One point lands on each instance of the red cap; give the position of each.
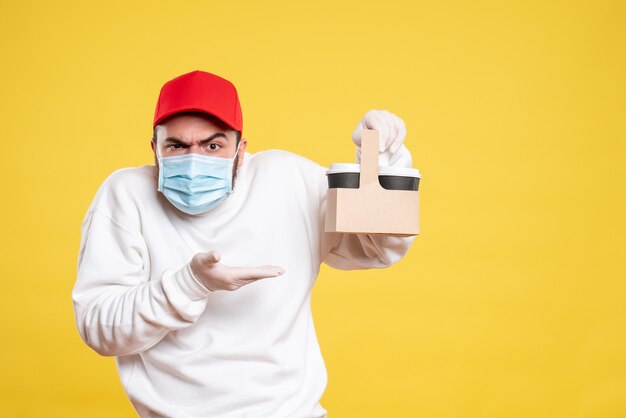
(199, 91)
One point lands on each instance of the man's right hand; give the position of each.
(207, 269)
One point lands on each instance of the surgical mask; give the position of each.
(196, 183)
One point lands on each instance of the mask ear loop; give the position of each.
(236, 151)
(159, 164)
(158, 148)
(234, 160)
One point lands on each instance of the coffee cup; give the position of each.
(347, 176)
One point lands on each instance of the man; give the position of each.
(167, 281)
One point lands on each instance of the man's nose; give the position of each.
(195, 149)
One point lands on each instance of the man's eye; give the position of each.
(174, 146)
(214, 147)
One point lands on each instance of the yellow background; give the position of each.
(511, 303)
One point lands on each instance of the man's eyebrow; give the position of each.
(215, 135)
(174, 140)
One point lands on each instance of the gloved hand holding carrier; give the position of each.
(370, 208)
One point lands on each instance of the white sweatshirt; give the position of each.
(185, 351)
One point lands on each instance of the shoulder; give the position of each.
(131, 177)
(127, 184)
(288, 173)
(125, 193)
(283, 162)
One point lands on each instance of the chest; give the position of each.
(267, 225)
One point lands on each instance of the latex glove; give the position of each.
(391, 130)
(215, 276)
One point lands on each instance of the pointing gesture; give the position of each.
(207, 268)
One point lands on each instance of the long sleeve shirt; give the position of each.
(185, 351)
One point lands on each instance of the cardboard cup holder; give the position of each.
(370, 199)
(347, 176)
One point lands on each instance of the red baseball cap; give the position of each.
(199, 91)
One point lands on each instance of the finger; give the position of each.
(256, 273)
(368, 119)
(402, 134)
(395, 136)
(390, 133)
(373, 120)
(356, 135)
(380, 123)
(385, 135)
(211, 257)
(395, 146)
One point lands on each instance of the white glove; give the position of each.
(391, 130)
(215, 276)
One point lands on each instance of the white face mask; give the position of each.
(196, 183)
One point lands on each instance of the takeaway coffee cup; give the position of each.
(347, 176)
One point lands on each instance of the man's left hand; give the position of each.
(391, 129)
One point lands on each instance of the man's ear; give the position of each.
(242, 149)
(153, 146)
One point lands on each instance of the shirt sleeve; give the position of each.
(118, 310)
(363, 251)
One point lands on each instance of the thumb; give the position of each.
(211, 257)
